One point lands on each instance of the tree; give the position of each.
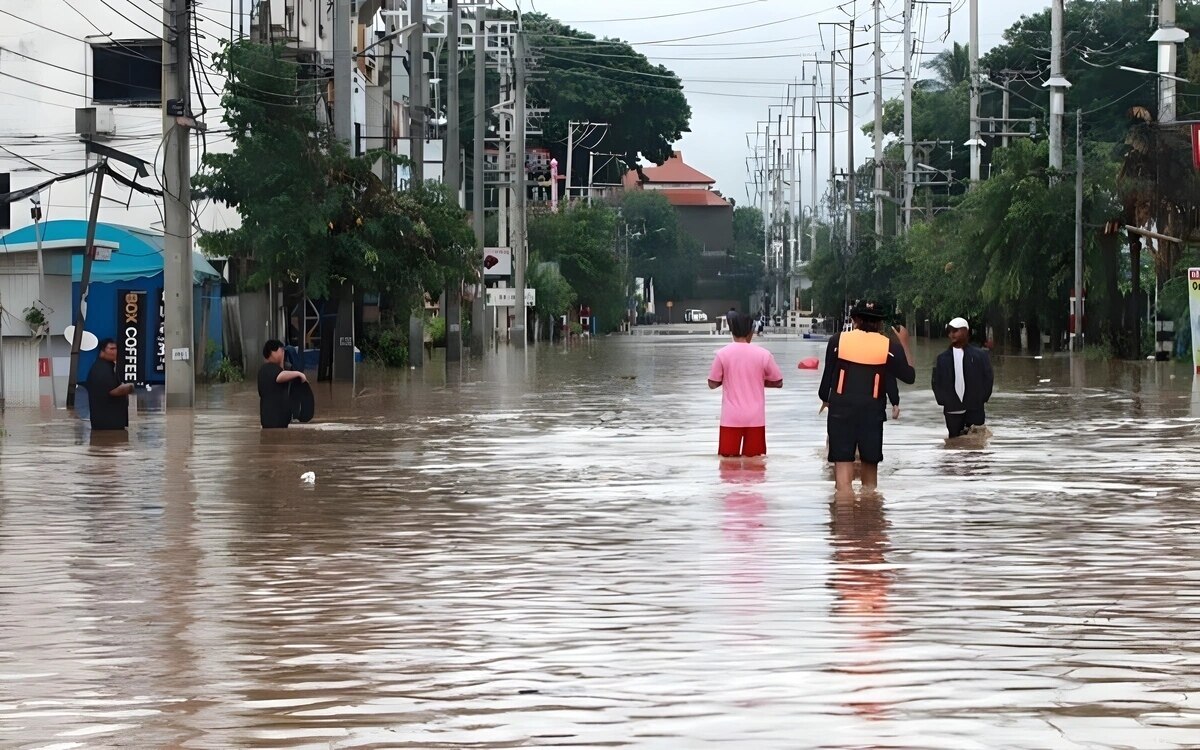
(658, 246)
(605, 80)
(951, 66)
(311, 213)
(580, 239)
(745, 266)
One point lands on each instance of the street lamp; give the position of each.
(387, 37)
(1171, 76)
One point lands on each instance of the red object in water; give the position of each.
(811, 363)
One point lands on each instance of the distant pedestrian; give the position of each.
(962, 380)
(743, 371)
(274, 398)
(108, 397)
(854, 385)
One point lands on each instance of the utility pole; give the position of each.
(479, 179)
(343, 74)
(909, 165)
(453, 173)
(1077, 334)
(1167, 36)
(812, 220)
(879, 125)
(85, 279)
(976, 143)
(521, 182)
(416, 91)
(416, 151)
(570, 157)
(177, 206)
(1057, 84)
(851, 193)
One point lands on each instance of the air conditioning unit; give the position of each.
(94, 122)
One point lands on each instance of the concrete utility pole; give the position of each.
(85, 280)
(976, 143)
(1077, 334)
(909, 165)
(343, 74)
(453, 173)
(416, 151)
(1167, 36)
(177, 206)
(479, 180)
(879, 124)
(570, 157)
(417, 91)
(812, 220)
(850, 187)
(1057, 84)
(521, 182)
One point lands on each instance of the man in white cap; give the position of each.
(962, 380)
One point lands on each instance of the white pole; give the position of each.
(908, 115)
(976, 156)
(879, 124)
(1057, 85)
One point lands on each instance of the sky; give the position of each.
(729, 96)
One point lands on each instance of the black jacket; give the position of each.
(896, 367)
(977, 375)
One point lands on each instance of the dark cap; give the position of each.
(867, 309)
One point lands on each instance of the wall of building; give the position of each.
(51, 73)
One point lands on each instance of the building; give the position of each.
(125, 302)
(706, 216)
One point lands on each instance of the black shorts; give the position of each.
(856, 431)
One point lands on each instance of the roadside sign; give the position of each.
(497, 261)
(508, 297)
(1194, 300)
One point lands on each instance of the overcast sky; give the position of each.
(729, 96)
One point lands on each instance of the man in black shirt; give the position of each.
(108, 397)
(274, 400)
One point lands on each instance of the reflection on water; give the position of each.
(541, 550)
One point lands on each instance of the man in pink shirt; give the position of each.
(743, 371)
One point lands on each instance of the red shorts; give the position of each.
(743, 441)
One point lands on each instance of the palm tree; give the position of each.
(952, 66)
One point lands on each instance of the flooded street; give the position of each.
(542, 550)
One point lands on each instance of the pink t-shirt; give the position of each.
(743, 370)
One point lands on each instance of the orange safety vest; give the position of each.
(862, 365)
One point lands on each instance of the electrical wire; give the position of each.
(667, 15)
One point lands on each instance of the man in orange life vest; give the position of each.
(858, 364)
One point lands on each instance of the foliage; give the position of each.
(580, 239)
(951, 66)
(385, 344)
(435, 330)
(745, 267)
(227, 371)
(586, 79)
(658, 247)
(555, 296)
(34, 317)
(311, 212)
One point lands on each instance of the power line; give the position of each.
(667, 15)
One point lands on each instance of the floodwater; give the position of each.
(541, 550)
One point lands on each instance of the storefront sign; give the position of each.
(508, 297)
(131, 327)
(160, 356)
(1194, 298)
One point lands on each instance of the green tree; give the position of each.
(580, 239)
(309, 211)
(605, 80)
(951, 66)
(745, 262)
(658, 246)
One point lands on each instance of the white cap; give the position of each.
(958, 323)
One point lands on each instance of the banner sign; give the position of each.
(1194, 299)
(497, 261)
(160, 356)
(508, 297)
(131, 328)
(1196, 146)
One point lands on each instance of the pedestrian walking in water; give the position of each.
(854, 385)
(108, 397)
(274, 397)
(962, 380)
(743, 371)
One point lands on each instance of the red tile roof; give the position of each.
(686, 197)
(674, 170)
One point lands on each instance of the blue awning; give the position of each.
(138, 253)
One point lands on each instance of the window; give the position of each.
(127, 73)
(5, 208)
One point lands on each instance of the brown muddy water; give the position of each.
(542, 550)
